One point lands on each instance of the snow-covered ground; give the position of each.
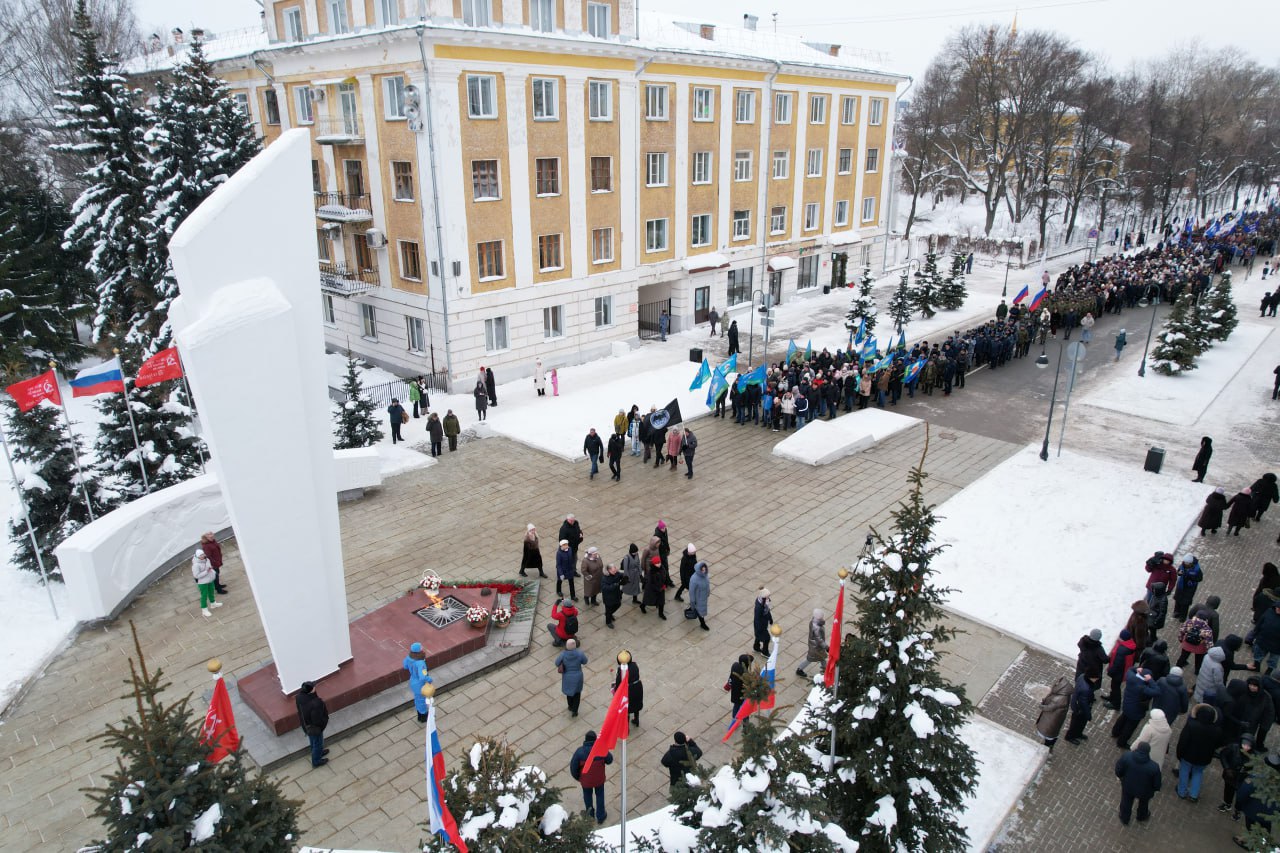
(823, 441)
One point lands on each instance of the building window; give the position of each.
(811, 216)
(553, 322)
(655, 235)
(739, 286)
(598, 20)
(489, 260)
(353, 177)
(700, 233)
(702, 167)
(813, 163)
(542, 15)
(475, 13)
(601, 174)
(393, 97)
(742, 165)
(655, 103)
(601, 245)
(656, 171)
(402, 180)
(842, 212)
(369, 322)
(781, 164)
(817, 109)
(389, 12)
(549, 255)
(777, 220)
(272, 102)
(242, 103)
(844, 163)
(546, 172)
(322, 245)
(495, 334)
(741, 224)
(484, 180)
(338, 17)
(545, 99)
(410, 261)
(604, 311)
(481, 100)
(327, 310)
(782, 108)
(315, 175)
(293, 24)
(868, 209)
(877, 112)
(704, 104)
(864, 256)
(807, 273)
(744, 111)
(873, 159)
(601, 92)
(415, 331)
(303, 101)
(848, 110)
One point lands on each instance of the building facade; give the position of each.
(503, 180)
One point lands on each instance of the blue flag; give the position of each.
(730, 366)
(869, 347)
(862, 333)
(718, 387)
(753, 377)
(808, 350)
(902, 340)
(914, 370)
(791, 351)
(704, 373)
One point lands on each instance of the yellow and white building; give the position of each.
(499, 180)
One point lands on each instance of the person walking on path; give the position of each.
(593, 447)
(565, 571)
(1234, 757)
(1139, 690)
(435, 432)
(688, 559)
(617, 444)
(1195, 636)
(591, 778)
(633, 573)
(416, 663)
(313, 716)
(1214, 507)
(1139, 780)
(664, 324)
(1120, 343)
(1240, 511)
(571, 531)
(209, 544)
(397, 416)
(611, 592)
(555, 383)
(1053, 711)
(763, 618)
(1082, 707)
(735, 684)
(680, 759)
(1123, 654)
(1266, 639)
(592, 570)
(1172, 701)
(655, 588)
(1092, 659)
(1190, 575)
(452, 429)
(635, 687)
(1265, 494)
(415, 396)
(1201, 463)
(491, 387)
(713, 317)
(1156, 734)
(206, 578)
(688, 448)
(1275, 389)
(700, 593)
(1211, 678)
(539, 378)
(531, 557)
(482, 399)
(1199, 741)
(733, 339)
(569, 664)
(675, 441)
(817, 649)
(565, 628)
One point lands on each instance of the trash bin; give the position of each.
(826, 288)
(695, 355)
(1155, 458)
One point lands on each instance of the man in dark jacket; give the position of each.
(313, 716)
(680, 758)
(572, 531)
(1139, 689)
(1199, 741)
(616, 445)
(1251, 710)
(594, 448)
(1184, 592)
(1092, 660)
(591, 778)
(1081, 707)
(396, 414)
(1155, 660)
(1173, 695)
(1266, 639)
(1139, 780)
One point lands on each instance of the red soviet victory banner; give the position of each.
(29, 392)
(833, 648)
(617, 723)
(161, 366)
(219, 729)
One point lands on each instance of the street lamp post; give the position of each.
(1008, 262)
(1043, 361)
(1142, 368)
(751, 340)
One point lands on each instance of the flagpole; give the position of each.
(71, 437)
(835, 683)
(128, 408)
(26, 516)
(624, 658)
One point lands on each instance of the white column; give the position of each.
(311, 19)
(357, 15)
(576, 182)
(678, 169)
(282, 102)
(376, 178)
(518, 192)
(724, 159)
(628, 174)
(832, 158)
(860, 161)
(452, 176)
(572, 16)
(801, 117)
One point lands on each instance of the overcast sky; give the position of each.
(911, 32)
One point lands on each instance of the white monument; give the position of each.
(247, 327)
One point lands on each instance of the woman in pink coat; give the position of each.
(675, 438)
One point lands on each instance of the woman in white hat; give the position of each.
(532, 558)
(202, 571)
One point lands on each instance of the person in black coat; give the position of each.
(396, 413)
(733, 338)
(735, 682)
(1155, 659)
(681, 757)
(1173, 696)
(313, 715)
(1081, 707)
(1265, 493)
(1214, 506)
(1139, 690)
(655, 588)
(635, 687)
(1240, 511)
(593, 447)
(1093, 658)
(760, 623)
(572, 531)
(611, 591)
(1139, 780)
(1201, 464)
(664, 545)
(688, 559)
(490, 387)
(617, 444)
(1198, 743)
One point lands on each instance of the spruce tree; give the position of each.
(357, 424)
(1219, 309)
(901, 303)
(863, 307)
(44, 460)
(1266, 790)
(165, 795)
(927, 290)
(502, 803)
(108, 121)
(902, 768)
(1177, 344)
(953, 291)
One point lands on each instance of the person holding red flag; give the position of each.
(588, 762)
(588, 769)
(219, 729)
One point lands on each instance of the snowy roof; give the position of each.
(703, 262)
(845, 238)
(782, 262)
(217, 47)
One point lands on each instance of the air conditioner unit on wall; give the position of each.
(376, 238)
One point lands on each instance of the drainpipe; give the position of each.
(766, 175)
(893, 173)
(435, 191)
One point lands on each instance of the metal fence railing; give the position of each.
(382, 394)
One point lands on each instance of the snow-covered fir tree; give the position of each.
(164, 795)
(926, 293)
(502, 803)
(1265, 784)
(954, 291)
(44, 460)
(1218, 309)
(108, 121)
(901, 303)
(902, 767)
(863, 306)
(357, 425)
(1177, 344)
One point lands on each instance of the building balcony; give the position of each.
(346, 281)
(343, 207)
(344, 130)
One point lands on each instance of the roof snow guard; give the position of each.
(702, 263)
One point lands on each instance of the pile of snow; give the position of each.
(824, 441)
(1006, 765)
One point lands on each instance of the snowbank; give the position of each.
(1006, 765)
(1045, 551)
(823, 442)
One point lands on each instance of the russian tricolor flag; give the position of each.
(441, 821)
(1022, 294)
(99, 379)
(1035, 303)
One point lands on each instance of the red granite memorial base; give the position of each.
(380, 641)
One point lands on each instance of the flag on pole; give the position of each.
(161, 366)
(914, 370)
(770, 673)
(749, 707)
(833, 648)
(29, 392)
(617, 723)
(1022, 294)
(869, 348)
(704, 373)
(791, 351)
(442, 822)
(753, 377)
(219, 729)
(808, 350)
(718, 386)
(105, 378)
(1039, 297)
(902, 339)
(730, 366)
(862, 333)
